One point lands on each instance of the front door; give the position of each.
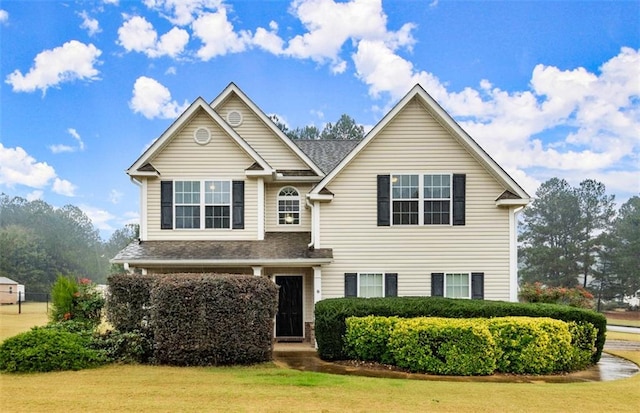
(289, 320)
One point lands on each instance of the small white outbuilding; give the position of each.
(8, 291)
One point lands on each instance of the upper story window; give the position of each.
(421, 199)
(192, 209)
(288, 206)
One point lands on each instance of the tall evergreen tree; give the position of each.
(596, 213)
(551, 235)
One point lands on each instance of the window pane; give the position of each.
(437, 186)
(370, 285)
(436, 212)
(457, 285)
(405, 213)
(404, 187)
(187, 217)
(217, 217)
(187, 192)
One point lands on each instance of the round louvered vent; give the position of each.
(202, 136)
(234, 118)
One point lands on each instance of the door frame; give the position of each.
(303, 306)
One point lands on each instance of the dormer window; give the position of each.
(288, 206)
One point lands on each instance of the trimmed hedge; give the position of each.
(129, 301)
(330, 316)
(195, 319)
(446, 346)
(479, 346)
(531, 345)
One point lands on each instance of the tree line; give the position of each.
(38, 242)
(573, 236)
(345, 128)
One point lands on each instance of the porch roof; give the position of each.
(277, 248)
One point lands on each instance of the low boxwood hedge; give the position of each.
(330, 316)
(476, 346)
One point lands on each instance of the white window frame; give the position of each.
(421, 198)
(279, 198)
(468, 274)
(381, 274)
(202, 203)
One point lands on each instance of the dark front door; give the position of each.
(289, 318)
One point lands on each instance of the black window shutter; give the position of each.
(384, 200)
(350, 284)
(166, 205)
(459, 184)
(391, 285)
(238, 204)
(477, 285)
(437, 284)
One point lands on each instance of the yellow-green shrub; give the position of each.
(443, 346)
(530, 345)
(367, 338)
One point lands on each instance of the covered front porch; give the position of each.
(283, 257)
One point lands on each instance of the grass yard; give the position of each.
(12, 323)
(268, 388)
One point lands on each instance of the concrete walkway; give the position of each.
(623, 329)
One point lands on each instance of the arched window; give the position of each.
(288, 206)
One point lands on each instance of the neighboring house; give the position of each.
(8, 291)
(416, 208)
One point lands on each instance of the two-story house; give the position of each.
(416, 208)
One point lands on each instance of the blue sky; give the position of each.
(547, 88)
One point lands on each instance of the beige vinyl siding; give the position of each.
(271, 209)
(414, 143)
(260, 137)
(184, 159)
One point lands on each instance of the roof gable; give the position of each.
(141, 166)
(231, 90)
(447, 122)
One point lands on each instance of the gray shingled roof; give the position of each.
(326, 153)
(276, 247)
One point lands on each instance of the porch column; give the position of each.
(317, 284)
(257, 271)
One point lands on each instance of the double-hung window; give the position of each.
(421, 199)
(437, 199)
(187, 204)
(217, 202)
(405, 194)
(370, 285)
(457, 285)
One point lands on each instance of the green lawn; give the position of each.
(268, 388)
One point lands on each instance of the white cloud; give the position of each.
(61, 148)
(114, 2)
(137, 34)
(330, 24)
(19, 168)
(90, 24)
(73, 60)
(115, 196)
(99, 217)
(171, 71)
(269, 40)
(4, 16)
(153, 100)
(182, 12)
(217, 35)
(63, 187)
